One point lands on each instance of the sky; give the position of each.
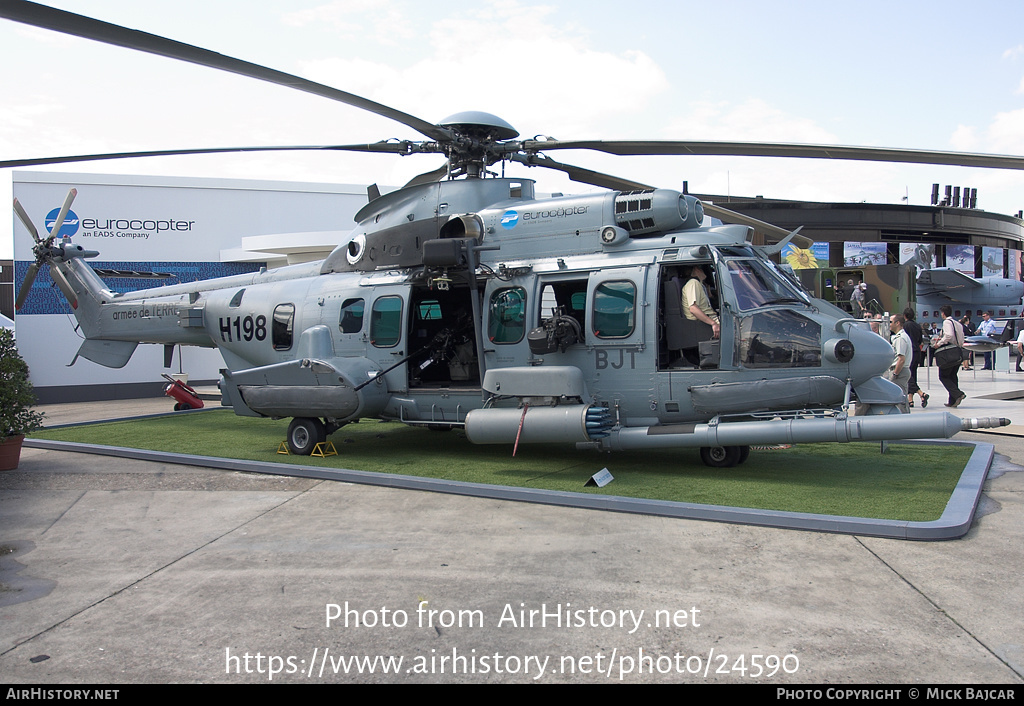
(926, 75)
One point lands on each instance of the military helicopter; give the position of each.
(463, 300)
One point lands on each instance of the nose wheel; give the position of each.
(724, 456)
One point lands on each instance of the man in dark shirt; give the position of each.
(968, 331)
(913, 330)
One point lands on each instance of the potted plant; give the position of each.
(17, 418)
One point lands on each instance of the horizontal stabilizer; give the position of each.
(111, 354)
(947, 278)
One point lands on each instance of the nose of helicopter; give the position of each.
(872, 354)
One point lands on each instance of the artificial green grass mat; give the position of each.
(910, 482)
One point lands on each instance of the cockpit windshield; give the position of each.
(756, 285)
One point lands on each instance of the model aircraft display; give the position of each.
(462, 300)
(946, 285)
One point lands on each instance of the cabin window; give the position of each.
(429, 310)
(564, 298)
(614, 306)
(283, 327)
(236, 301)
(351, 318)
(506, 322)
(778, 339)
(386, 322)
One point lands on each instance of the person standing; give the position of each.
(1020, 348)
(899, 371)
(952, 336)
(968, 329)
(916, 335)
(857, 299)
(985, 328)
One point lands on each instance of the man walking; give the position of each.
(952, 337)
(916, 334)
(899, 371)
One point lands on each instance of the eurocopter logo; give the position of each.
(70, 226)
(509, 220)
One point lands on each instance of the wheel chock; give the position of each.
(283, 449)
(324, 449)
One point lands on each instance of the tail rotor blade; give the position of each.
(65, 286)
(23, 217)
(59, 223)
(26, 286)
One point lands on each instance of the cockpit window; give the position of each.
(778, 338)
(756, 285)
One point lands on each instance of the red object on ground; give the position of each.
(184, 396)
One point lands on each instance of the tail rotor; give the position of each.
(45, 252)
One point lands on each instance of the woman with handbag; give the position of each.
(949, 355)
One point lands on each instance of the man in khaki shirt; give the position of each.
(696, 306)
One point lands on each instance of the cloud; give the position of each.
(481, 58)
(751, 120)
(45, 36)
(964, 138)
(1014, 52)
(1006, 133)
(382, 21)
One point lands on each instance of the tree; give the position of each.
(17, 417)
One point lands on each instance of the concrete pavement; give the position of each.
(138, 572)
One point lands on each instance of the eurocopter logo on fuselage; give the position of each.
(511, 218)
(68, 228)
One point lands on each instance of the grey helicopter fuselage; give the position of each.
(471, 303)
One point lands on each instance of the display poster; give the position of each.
(861, 254)
(961, 258)
(806, 258)
(992, 262)
(921, 255)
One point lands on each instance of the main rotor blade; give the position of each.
(429, 177)
(80, 26)
(26, 286)
(769, 149)
(767, 228)
(401, 147)
(584, 176)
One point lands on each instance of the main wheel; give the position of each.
(304, 433)
(744, 454)
(720, 456)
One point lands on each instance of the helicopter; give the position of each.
(464, 300)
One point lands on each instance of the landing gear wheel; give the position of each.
(181, 406)
(721, 456)
(744, 454)
(304, 434)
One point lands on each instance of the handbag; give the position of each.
(952, 353)
(948, 356)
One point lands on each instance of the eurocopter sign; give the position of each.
(174, 226)
(132, 228)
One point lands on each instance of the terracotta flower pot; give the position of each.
(10, 452)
